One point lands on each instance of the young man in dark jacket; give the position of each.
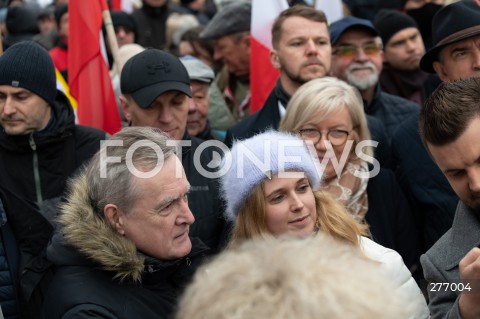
(40, 148)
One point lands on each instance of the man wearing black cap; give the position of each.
(455, 55)
(40, 148)
(156, 92)
(403, 49)
(230, 31)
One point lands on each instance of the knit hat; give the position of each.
(27, 65)
(260, 157)
(389, 22)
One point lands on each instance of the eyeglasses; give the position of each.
(336, 137)
(351, 51)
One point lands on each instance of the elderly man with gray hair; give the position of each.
(123, 249)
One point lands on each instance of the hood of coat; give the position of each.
(92, 236)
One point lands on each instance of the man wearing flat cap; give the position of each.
(455, 57)
(156, 93)
(201, 76)
(230, 31)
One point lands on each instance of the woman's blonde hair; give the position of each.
(320, 98)
(332, 219)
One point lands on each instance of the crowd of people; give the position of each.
(353, 192)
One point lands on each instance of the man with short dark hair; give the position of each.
(446, 122)
(450, 126)
(40, 148)
(155, 93)
(301, 51)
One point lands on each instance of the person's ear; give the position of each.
(126, 107)
(115, 217)
(440, 70)
(274, 59)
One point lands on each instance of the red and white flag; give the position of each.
(263, 75)
(123, 5)
(89, 79)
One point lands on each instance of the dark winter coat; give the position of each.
(100, 274)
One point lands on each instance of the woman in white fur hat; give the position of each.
(271, 189)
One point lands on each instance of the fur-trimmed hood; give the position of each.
(93, 237)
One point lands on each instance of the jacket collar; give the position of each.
(464, 234)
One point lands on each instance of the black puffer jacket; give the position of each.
(100, 274)
(36, 167)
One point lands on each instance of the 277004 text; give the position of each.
(449, 286)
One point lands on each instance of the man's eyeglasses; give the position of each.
(350, 51)
(336, 137)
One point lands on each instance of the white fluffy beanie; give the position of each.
(260, 157)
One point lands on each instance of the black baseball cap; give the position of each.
(151, 73)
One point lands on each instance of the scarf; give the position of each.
(350, 190)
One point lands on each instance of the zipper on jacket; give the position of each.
(36, 171)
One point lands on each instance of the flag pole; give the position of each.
(111, 38)
(314, 3)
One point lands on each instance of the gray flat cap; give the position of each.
(232, 19)
(197, 70)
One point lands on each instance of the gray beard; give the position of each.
(363, 83)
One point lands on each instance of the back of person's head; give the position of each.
(316, 277)
(27, 65)
(449, 110)
(301, 11)
(21, 24)
(177, 24)
(319, 99)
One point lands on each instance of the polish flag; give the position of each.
(122, 5)
(89, 80)
(263, 75)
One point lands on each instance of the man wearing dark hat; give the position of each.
(125, 27)
(403, 49)
(357, 59)
(230, 31)
(156, 92)
(40, 148)
(456, 51)
(455, 56)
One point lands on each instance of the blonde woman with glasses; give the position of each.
(328, 113)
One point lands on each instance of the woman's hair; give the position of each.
(332, 219)
(320, 98)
